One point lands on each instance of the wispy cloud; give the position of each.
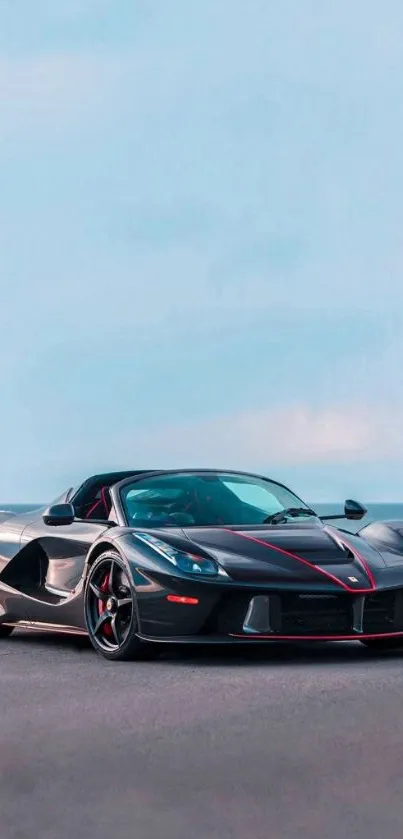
(291, 434)
(53, 92)
(295, 433)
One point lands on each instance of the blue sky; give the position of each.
(201, 255)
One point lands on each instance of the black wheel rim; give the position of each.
(109, 605)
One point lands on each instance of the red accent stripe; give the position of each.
(311, 564)
(188, 601)
(316, 637)
(97, 503)
(104, 501)
(362, 561)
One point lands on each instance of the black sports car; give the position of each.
(135, 559)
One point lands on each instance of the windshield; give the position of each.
(207, 499)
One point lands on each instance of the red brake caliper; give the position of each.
(102, 606)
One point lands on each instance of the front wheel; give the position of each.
(380, 644)
(110, 611)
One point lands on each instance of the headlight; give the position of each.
(188, 562)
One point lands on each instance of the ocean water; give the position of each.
(20, 508)
(376, 512)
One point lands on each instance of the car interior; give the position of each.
(93, 499)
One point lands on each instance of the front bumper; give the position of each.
(247, 615)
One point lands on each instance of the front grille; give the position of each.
(327, 615)
(305, 614)
(383, 612)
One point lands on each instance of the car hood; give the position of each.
(303, 554)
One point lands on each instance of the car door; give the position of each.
(64, 549)
(11, 531)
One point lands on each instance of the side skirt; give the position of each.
(207, 640)
(46, 627)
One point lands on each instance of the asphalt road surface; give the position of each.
(279, 744)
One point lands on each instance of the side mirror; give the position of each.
(354, 510)
(58, 515)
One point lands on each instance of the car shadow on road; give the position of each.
(278, 653)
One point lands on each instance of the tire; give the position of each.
(111, 612)
(380, 644)
(5, 631)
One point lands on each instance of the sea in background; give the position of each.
(376, 512)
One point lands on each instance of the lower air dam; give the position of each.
(257, 620)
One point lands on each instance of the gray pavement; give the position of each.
(279, 744)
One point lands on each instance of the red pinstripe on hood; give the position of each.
(332, 577)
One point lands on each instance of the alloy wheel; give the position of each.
(110, 608)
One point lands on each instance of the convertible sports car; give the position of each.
(137, 559)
